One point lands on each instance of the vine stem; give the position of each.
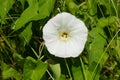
(83, 68)
(104, 53)
(68, 68)
(32, 48)
(41, 48)
(114, 8)
(50, 75)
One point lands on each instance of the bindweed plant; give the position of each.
(59, 40)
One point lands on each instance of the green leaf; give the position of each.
(92, 6)
(26, 34)
(110, 6)
(19, 59)
(35, 11)
(96, 50)
(72, 7)
(26, 16)
(32, 2)
(5, 6)
(22, 2)
(77, 70)
(97, 46)
(55, 68)
(103, 22)
(34, 70)
(45, 8)
(77, 73)
(62, 77)
(9, 72)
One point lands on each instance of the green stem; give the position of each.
(68, 68)
(34, 52)
(41, 49)
(32, 48)
(115, 8)
(83, 68)
(50, 75)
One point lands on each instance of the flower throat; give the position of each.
(64, 36)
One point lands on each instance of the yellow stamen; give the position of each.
(64, 36)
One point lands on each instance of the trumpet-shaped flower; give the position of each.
(65, 35)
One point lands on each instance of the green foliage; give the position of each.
(33, 70)
(34, 12)
(72, 6)
(55, 68)
(26, 16)
(77, 70)
(23, 55)
(26, 34)
(9, 72)
(5, 6)
(97, 45)
(92, 6)
(103, 22)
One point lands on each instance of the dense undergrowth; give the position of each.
(23, 55)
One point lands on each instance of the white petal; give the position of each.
(57, 49)
(66, 49)
(52, 47)
(61, 51)
(72, 49)
(49, 28)
(50, 33)
(78, 26)
(63, 19)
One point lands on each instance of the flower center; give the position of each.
(64, 36)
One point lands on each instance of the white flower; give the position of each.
(65, 35)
